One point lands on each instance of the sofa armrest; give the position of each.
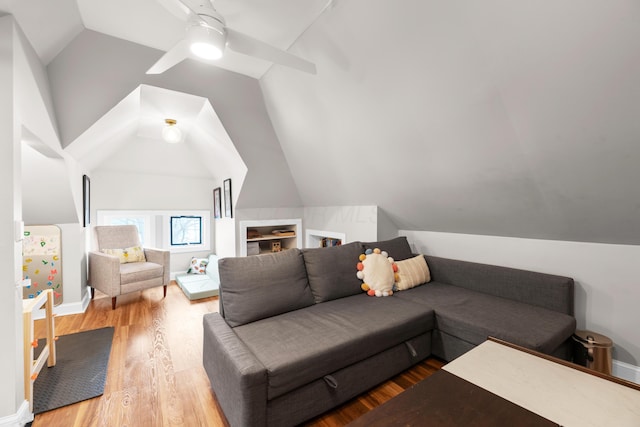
(540, 289)
(237, 377)
(104, 273)
(161, 257)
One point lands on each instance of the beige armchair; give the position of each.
(123, 270)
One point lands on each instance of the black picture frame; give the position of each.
(217, 203)
(86, 201)
(228, 209)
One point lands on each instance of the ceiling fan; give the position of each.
(207, 37)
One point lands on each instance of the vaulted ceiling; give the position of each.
(499, 117)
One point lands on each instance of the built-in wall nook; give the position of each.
(272, 235)
(323, 239)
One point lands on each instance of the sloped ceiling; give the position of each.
(508, 118)
(47, 196)
(160, 24)
(500, 117)
(151, 23)
(128, 138)
(92, 83)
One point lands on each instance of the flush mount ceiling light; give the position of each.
(171, 132)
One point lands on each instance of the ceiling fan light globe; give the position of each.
(206, 42)
(206, 50)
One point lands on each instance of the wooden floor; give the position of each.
(155, 375)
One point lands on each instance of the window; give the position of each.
(144, 221)
(177, 231)
(186, 230)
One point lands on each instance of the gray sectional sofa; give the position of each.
(296, 335)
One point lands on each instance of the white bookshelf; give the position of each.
(314, 238)
(267, 236)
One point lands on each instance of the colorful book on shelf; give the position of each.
(328, 242)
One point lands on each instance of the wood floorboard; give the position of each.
(155, 376)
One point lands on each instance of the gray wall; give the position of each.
(494, 118)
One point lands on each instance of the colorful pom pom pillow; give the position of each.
(377, 270)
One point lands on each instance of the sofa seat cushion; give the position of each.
(139, 271)
(303, 345)
(473, 316)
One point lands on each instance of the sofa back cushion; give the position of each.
(541, 289)
(257, 287)
(397, 248)
(332, 271)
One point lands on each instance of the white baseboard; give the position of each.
(19, 419)
(626, 371)
(67, 308)
(173, 274)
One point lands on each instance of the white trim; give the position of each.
(20, 418)
(173, 274)
(65, 309)
(206, 233)
(157, 227)
(626, 371)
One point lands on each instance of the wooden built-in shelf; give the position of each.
(271, 237)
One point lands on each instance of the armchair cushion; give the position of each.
(139, 271)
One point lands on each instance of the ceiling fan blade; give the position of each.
(247, 45)
(176, 8)
(178, 53)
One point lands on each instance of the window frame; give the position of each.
(171, 229)
(158, 227)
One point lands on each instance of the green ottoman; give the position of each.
(196, 286)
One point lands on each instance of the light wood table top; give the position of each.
(562, 392)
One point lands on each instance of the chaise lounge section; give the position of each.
(296, 335)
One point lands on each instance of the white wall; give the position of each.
(11, 368)
(356, 222)
(494, 117)
(74, 269)
(123, 190)
(8, 312)
(225, 238)
(606, 276)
